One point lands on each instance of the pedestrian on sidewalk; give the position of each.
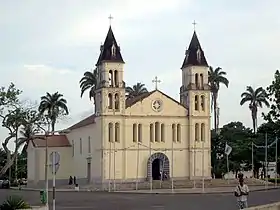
(241, 193)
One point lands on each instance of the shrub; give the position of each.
(13, 203)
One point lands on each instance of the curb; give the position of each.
(146, 192)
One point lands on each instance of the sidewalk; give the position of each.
(163, 191)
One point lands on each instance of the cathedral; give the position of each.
(141, 138)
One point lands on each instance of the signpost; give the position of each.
(55, 159)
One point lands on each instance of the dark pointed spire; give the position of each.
(110, 51)
(194, 54)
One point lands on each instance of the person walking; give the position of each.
(241, 193)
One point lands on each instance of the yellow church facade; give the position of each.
(152, 135)
(147, 137)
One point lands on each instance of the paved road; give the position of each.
(123, 201)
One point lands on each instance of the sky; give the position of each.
(46, 46)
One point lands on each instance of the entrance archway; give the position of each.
(158, 163)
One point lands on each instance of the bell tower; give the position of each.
(110, 89)
(195, 95)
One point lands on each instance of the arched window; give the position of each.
(73, 148)
(134, 132)
(178, 132)
(111, 78)
(113, 50)
(174, 132)
(162, 132)
(196, 80)
(117, 101)
(81, 146)
(151, 132)
(139, 132)
(196, 102)
(110, 101)
(201, 81)
(196, 134)
(111, 132)
(202, 102)
(117, 132)
(116, 78)
(202, 133)
(157, 128)
(89, 145)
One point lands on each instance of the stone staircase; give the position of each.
(178, 184)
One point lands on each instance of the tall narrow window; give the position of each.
(116, 78)
(134, 132)
(196, 102)
(202, 132)
(202, 102)
(196, 80)
(174, 132)
(110, 101)
(73, 148)
(117, 132)
(178, 132)
(196, 133)
(111, 78)
(89, 145)
(81, 146)
(152, 132)
(139, 132)
(201, 81)
(157, 129)
(162, 132)
(117, 101)
(110, 132)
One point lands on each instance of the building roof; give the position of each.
(130, 102)
(194, 55)
(53, 141)
(87, 121)
(110, 51)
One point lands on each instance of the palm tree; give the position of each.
(216, 78)
(135, 90)
(53, 105)
(89, 82)
(256, 98)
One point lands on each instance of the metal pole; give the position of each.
(194, 167)
(110, 151)
(137, 167)
(53, 172)
(202, 166)
(227, 169)
(114, 145)
(253, 159)
(276, 160)
(151, 171)
(172, 162)
(46, 170)
(266, 179)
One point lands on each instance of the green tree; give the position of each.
(273, 93)
(89, 82)
(53, 106)
(236, 135)
(216, 78)
(135, 90)
(256, 99)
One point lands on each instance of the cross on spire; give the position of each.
(194, 24)
(110, 19)
(156, 81)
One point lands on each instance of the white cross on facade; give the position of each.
(156, 81)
